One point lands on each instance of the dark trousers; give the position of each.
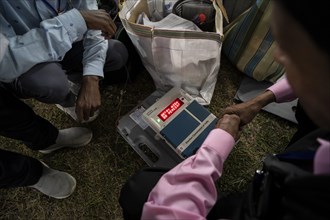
(19, 122)
(48, 82)
(136, 190)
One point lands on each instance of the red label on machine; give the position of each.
(170, 109)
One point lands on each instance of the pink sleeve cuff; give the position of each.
(221, 141)
(322, 158)
(282, 91)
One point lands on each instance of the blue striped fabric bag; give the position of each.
(249, 44)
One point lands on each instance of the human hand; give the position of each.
(230, 124)
(248, 110)
(89, 98)
(100, 20)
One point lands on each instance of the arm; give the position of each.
(95, 49)
(279, 92)
(48, 43)
(282, 91)
(188, 190)
(100, 26)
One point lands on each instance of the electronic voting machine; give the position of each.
(170, 126)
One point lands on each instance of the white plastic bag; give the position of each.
(189, 59)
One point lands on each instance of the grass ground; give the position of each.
(102, 167)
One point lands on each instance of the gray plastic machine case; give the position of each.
(166, 127)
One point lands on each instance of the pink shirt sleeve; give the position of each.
(282, 91)
(188, 190)
(322, 158)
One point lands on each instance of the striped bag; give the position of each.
(249, 44)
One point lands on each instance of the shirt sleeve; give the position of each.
(47, 43)
(95, 46)
(3, 46)
(322, 158)
(188, 191)
(282, 91)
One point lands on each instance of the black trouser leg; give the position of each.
(18, 170)
(136, 190)
(19, 122)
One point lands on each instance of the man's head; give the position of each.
(304, 51)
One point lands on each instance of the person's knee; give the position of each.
(57, 92)
(117, 54)
(137, 189)
(47, 83)
(129, 192)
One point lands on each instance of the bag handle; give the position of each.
(222, 9)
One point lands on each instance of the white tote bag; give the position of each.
(175, 56)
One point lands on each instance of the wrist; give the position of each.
(83, 14)
(90, 80)
(264, 99)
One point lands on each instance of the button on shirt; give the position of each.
(37, 34)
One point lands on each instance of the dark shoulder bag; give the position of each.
(287, 189)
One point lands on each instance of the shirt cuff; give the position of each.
(74, 23)
(282, 91)
(221, 141)
(93, 69)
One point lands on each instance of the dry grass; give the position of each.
(103, 166)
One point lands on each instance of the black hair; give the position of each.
(314, 17)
